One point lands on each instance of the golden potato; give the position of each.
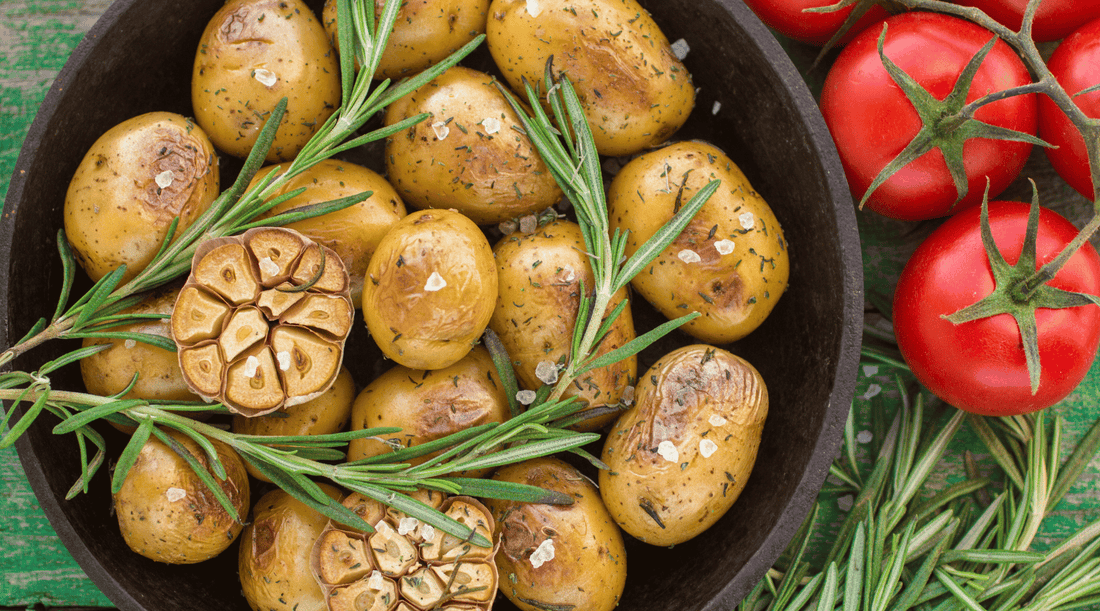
(252, 54)
(354, 232)
(679, 459)
(635, 92)
(129, 187)
(430, 289)
(468, 155)
(558, 556)
(730, 263)
(425, 33)
(539, 283)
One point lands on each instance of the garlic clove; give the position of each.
(203, 368)
(227, 271)
(252, 383)
(276, 251)
(329, 313)
(342, 558)
(244, 329)
(312, 363)
(205, 314)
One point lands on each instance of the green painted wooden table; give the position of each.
(36, 37)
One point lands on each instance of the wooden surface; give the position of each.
(35, 570)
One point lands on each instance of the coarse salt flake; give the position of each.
(689, 256)
(570, 274)
(546, 372)
(680, 49)
(526, 397)
(491, 125)
(543, 553)
(427, 532)
(407, 525)
(724, 247)
(268, 267)
(383, 527)
(164, 179)
(872, 390)
(130, 343)
(628, 395)
(844, 503)
(375, 581)
(865, 436)
(435, 282)
(716, 420)
(266, 77)
(668, 451)
(251, 366)
(175, 494)
(748, 221)
(533, 8)
(284, 359)
(707, 447)
(441, 130)
(870, 370)
(714, 109)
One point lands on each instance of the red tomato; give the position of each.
(979, 366)
(1053, 20)
(871, 120)
(1076, 65)
(789, 19)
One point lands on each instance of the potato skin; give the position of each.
(634, 90)
(354, 232)
(540, 276)
(425, 33)
(248, 42)
(694, 396)
(428, 405)
(588, 570)
(115, 210)
(274, 557)
(734, 292)
(413, 324)
(184, 530)
(489, 177)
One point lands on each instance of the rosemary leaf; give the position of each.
(510, 491)
(87, 416)
(201, 472)
(130, 453)
(88, 468)
(157, 341)
(420, 511)
(635, 345)
(505, 371)
(24, 423)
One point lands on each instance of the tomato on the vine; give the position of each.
(1076, 65)
(980, 365)
(791, 19)
(872, 120)
(1054, 19)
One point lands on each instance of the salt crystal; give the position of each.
(130, 343)
(491, 125)
(407, 525)
(175, 494)
(251, 366)
(533, 8)
(526, 397)
(570, 274)
(375, 581)
(543, 553)
(284, 360)
(628, 395)
(870, 370)
(164, 179)
(441, 130)
(716, 420)
(864, 436)
(707, 447)
(668, 451)
(427, 532)
(435, 282)
(844, 502)
(714, 109)
(269, 267)
(747, 220)
(383, 527)
(724, 247)
(266, 77)
(680, 49)
(547, 372)
(689, 256)
(872, 390)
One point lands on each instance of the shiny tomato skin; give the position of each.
(979, 366)
(871, 120)
(1076, 65)
(1053, 20)
(789, 19)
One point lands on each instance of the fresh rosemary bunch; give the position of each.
(294, 463)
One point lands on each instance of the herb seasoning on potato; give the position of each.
(678, 460)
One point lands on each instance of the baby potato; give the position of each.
(274, 558)
(131, 184)
(430, 289)
(468, 155)
(425, 33)
(679, 459)
(428, 405)
(352, 233)
(635, 92)
(729, 264)
(539, 277)
(252, 54)
(558, 556)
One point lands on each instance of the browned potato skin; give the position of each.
(428, 405)
(540, 276)
(734, 293)
(488, 177)
(354, 232)
(116, 213)
(588, 570)
(188, 530)
(274, 557)
(424, 329)
(694, 394)
(425, 33)
(328, 413)
(634, 90)
(282, 37)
